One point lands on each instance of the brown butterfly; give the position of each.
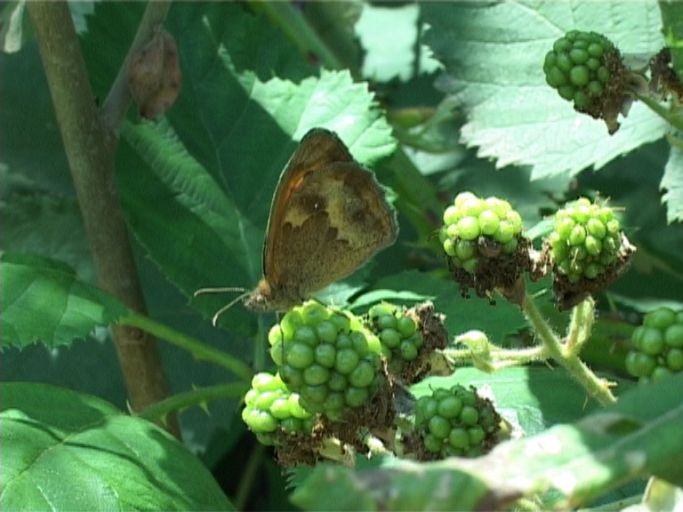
(328, 217)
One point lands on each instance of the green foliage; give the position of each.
(102, 456)
(490, 52)
(43, 300)
(569, 462)
(410, 89)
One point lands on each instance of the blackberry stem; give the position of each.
(499, 357)
(596, 387)
(580, 326)
(673, 117)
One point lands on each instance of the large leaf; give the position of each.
(493, 54)
(43, 300)
(63, 450)
(213, 168)
(45, 224)
(638, 436)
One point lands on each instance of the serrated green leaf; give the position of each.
(43, 300)
(493, 55)
(213, 168)
(332, 101)
(672, 182)
(64, 450)
(45, 224)
(638, 436)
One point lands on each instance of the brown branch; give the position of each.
(91, 161)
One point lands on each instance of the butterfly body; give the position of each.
(328, 217)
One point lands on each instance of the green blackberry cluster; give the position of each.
(578, 67)
(272, 409)
(398, 333)
(456, 422)
(326, 356)
(468, 219)
(586, 240)
(657, 345)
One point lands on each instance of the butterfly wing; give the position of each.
(329, 216)
(317, 147)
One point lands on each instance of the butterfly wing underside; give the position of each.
(316, 148)
(328, 216)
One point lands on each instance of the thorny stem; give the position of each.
(580, 326)
(198, 396)
(596, 387)
(89, 150)
(198, 349)
(499, 358)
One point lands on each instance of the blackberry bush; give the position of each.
(657, 345)
(326, 356)
(271, 410)
(455, 422)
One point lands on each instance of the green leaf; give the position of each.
(638, 436)
(392, 57)
(45, 224)
(672, 182)
(43, 300)
(213, 167)
(64, 450)
(493, 55)
(332, 101)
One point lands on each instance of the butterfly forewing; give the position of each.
(328, 216)
(317, 148)
(336, 219)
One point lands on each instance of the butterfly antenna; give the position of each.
(203, 291)
(230, 304)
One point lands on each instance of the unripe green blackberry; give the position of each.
(586, 248)
(397, 332)
(484, 244)
(326, 356)
(271, 409)
(587, 69)
(657, 345)
(456, 422)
